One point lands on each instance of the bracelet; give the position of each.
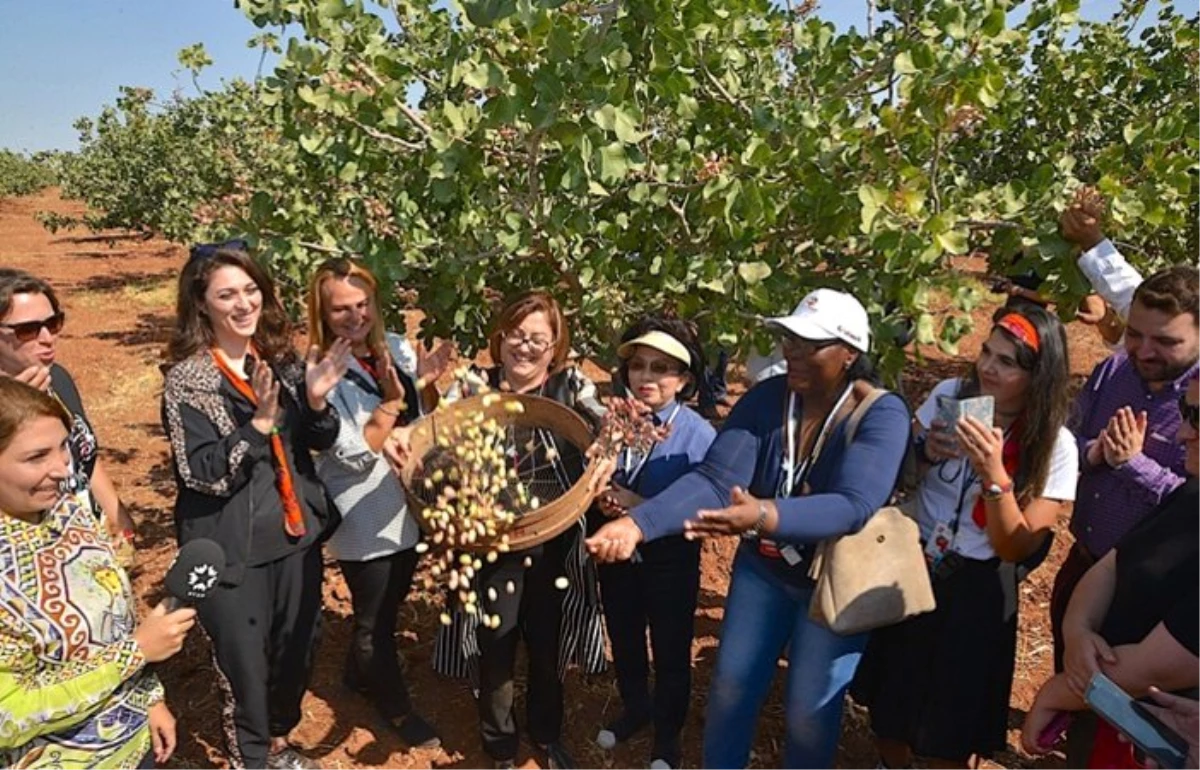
(755, 531)
(389, 414)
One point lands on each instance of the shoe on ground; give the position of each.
(660, 764)
(416, 732)
(621, 729)
(557, 756)
(504, 764)
(290, 759)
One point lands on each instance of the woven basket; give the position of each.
(533, 527)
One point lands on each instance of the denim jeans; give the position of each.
(762, 615)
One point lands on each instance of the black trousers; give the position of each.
(656, 594)
(377, 589)
(263, 633)
(539, 610)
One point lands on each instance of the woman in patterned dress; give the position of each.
(75, 688)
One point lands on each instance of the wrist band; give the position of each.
(385, 411)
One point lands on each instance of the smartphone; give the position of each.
(1055, 731)
(1144, 730)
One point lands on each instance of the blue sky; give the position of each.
(64, 59)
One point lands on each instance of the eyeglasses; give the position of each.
(30, 330)
(209, 250)
(536, 345)
(656, 368)
(800, 345)
(1189, 412)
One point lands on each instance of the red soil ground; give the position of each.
(118, 290)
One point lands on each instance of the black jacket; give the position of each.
(223, 466)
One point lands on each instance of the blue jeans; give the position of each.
(762, 614)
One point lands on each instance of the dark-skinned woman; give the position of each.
(781, 474)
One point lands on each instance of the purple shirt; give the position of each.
(1110, 501)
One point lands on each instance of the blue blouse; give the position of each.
(848, 483)
(683, 449)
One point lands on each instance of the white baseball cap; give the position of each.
(825, 314)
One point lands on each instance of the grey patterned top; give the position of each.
(375, 517)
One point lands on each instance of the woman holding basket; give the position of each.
(530, 342)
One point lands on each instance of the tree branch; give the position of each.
(989, 224)
(933, 172)
(409, 112)
(385, 137)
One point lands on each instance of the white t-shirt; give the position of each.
(942, 495)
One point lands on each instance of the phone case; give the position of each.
(1167, 748)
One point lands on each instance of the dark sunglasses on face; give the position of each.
(209, 250)
(1189, 412)
(800, 345)
(656, 368)
(30, 330)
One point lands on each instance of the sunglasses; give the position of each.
(1189, 412)
(30, 330)
(806, 347)
(203, 251)
(656, 368)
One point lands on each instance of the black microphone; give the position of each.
(194, 573)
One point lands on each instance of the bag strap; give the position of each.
(860, 411)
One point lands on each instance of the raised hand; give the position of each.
(1080, 222)
(984, 448)
(393, 389)
(940, 444)
(321, 374)
(268, 413)
(1124, 436)
(433, 364)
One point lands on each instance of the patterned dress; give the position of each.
(74, 687)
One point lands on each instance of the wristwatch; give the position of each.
(995, 491)
(755, 532)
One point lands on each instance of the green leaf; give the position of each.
(754, 272)
(614, 164)
(903, 64)
(953, 241)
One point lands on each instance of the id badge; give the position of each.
(939, 543)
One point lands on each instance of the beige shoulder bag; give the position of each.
(875, 577)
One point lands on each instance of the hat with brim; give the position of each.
(825, 314)
(660, 341)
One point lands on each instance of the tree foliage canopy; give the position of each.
(717, 157)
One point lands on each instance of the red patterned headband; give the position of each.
(1022, 328)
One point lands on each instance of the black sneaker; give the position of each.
(557, 756)
(416, 732)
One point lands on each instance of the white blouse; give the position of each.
(375, 517)
(949, 490)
